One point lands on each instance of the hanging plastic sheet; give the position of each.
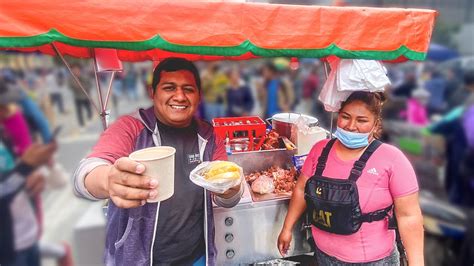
(349, 75)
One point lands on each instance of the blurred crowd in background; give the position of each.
(424, 116)
(424, 97)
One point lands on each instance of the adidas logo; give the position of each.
(373, 171)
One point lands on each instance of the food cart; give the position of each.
(122, 30)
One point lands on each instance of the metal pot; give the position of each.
(283, 123)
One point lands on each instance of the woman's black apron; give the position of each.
(333, 204)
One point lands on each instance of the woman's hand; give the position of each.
(284, 240)
(295, 210)
(39, 154)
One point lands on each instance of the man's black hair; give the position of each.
(173, 64)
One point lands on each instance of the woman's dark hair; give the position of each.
(173, 64)
(374, 102)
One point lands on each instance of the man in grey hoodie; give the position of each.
(176, 231)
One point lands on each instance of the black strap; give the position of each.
(323, 158)
(359, 165)
(375, 215)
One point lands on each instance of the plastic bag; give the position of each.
(361, 75)
(330, 96)
(298, 161)
(302, 124)
(217, 185)
(263, 185)
(348, 75)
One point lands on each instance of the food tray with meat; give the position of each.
(274, 168)
(272, 183)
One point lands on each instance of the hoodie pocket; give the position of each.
(124, 237)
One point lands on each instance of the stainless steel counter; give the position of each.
(248, 232)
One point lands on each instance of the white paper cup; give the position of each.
(159, 165)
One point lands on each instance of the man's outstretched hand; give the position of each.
(127, 186)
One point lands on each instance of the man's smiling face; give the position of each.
(176, 98)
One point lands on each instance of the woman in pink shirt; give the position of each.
(385, 179)
(16, 127)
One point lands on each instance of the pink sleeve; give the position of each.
(309, 165)
(403, 178)
(118, 140)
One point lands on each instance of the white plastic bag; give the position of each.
(330, 96)
(197, 176)
(349, 75)
(305, 125)
(361, 75)
(375, 74)
(263, 185)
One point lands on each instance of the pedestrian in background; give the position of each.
(214, 84)
(25, 216)
(239, 97)
(80, 99)
(436, 86)
(275, 94)
(457, 129)
(311, 85)
(55, 82)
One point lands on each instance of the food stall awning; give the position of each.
(152, 30)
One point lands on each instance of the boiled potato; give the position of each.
(223, 171)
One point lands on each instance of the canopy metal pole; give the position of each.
(103, 113)
(109, 90)
(74, 76)
(97, 83)
(332, 113)
(106, 111)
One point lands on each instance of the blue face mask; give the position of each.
(352, 140)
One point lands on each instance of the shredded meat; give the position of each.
(271, 141)
(283, 180)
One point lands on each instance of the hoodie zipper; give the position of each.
(154, 233)
(202, 147)
(157, 142)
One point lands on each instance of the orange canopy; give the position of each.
(151, 30)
